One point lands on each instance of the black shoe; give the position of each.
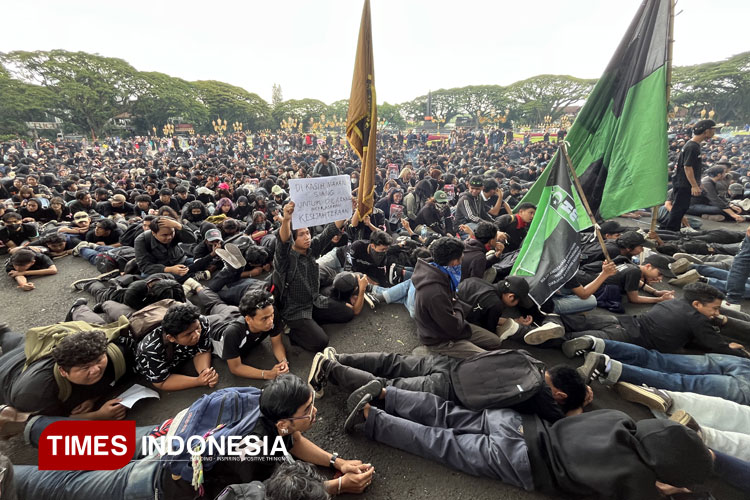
(395, 274)
(656, 399)
(578, 347)
(357, 415)
(4, 327)
(372, 300)
(108, 275)
(78, 302)
(684, 418)
(547, 331)
(595, 366)
(317, 378)
(373, 388)
(98, 308)
(80, 284)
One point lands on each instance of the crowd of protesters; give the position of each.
(195, 262)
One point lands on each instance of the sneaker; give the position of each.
(371, 300)
(579, 346)
(695, 259)
(490, 275)
(357, 414)
(77, 303)
(395, 274)
(235, 251)
(331, 354)
(731, 307)
(202, 275)
(373, 388)
(108, 275)
(684, 418)
(547, 331)
(508, 329)
(595, 366)
(80, 284)
(316, 378)
(230, 259)
(656, 399)
(685, 279)
(12, 421)
(680, 266)
(745, 204)
(190, 286)
(714, 218)
(83, 244)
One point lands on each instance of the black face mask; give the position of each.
(377, 257)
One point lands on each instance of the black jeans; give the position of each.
(308, 334)
(680, 207)
(603, 327)
(422, 374)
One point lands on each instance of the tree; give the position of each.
(721, 85)
(233, 104)
(445, 104)
(21, 102)
(88, 89)
(339, 109)
(301, 109)
(162, 98)
(482, 99)
(391, 113)
(547, 94)
(276, 95)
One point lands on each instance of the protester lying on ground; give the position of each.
(497, 379)
(26, 263)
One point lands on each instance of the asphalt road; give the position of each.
(399, 475)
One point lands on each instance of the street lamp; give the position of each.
(219, 127)
(547, 121)
(438, 119)
(168, 130)
(237, 126)
(154, 129)
(711, 114)
(703, 113)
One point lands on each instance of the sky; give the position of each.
(308, 46)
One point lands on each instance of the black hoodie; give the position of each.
(438, 313)
(606, 453)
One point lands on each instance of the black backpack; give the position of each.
(478, 297)
(497, 379)
(116, 258)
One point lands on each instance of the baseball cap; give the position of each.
(704, 125)
(611, 227)
(440, 197)
(520, 288)
(80, 216)
(345, 282)
(276, 190)
(476, 181)
(118, 198)
(213, 235)
(661, 263)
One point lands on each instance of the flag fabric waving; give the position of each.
(618, 142)
(361, 122)
(551, 250)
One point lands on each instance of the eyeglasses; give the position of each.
(310, 413)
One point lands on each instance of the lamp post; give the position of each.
(703, 113)
(438, 119)
(547, 121)
(168, 130)
(237, 126)
(711, 114)
(154, 130)
(219, 126)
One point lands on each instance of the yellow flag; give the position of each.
(361, 122)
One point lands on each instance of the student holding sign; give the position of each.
(297, 280)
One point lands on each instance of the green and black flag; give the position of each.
(618, 142)
(551, 250)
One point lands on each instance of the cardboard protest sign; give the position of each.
(320, 200)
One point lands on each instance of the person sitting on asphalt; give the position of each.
(478, 382)
(482, 249)
(369, 258)
(602, 453)
(668, 327)
(494, 306)
(441, 320)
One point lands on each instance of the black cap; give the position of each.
(519, 287)
(661, 263)
(703, 125)
(611, 227)
(345, 283)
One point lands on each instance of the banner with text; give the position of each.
(320, 200)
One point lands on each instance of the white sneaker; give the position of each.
(731, 307)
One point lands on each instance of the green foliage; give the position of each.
(276, 96)
(543, 95)
(233, 104)
(391, 113)
(162, 99)
(301, 109)
(721, 85)
(21, 102)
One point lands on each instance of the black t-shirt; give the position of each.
(231, 338)
(25, 232)
(690, 156)
(112, 238)
(41, 261)
(362, 262)
(628, 277)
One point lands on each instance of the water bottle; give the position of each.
(423, 232)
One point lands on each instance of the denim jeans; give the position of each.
(90, 253)
(717, 278)
(720, 375)
(570, 303)
(403, 293)
(725, 424)
(739, 273)
(136, 481)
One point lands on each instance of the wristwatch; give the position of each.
(332, 462)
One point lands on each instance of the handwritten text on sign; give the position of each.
(320, 200)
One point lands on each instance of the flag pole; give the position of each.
(655, 210)
(564, 149)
